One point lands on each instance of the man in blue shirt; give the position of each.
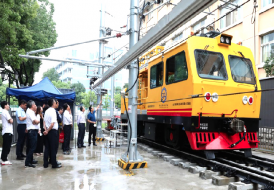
(92, 121)
(21, 129)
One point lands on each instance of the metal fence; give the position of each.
(15, 135)
(266, 138)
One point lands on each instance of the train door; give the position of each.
(143, 91)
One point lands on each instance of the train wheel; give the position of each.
(172, 136)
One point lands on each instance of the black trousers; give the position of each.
(40, 141)
(51, 146)
(92, 130)
(7, 139)
(67, 133)
(81, 134)
(21, 128)
(31, 145)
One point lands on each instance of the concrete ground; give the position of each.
(96, 168)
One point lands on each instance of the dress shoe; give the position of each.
(23, 155)
(34, 162)
(88, 144)
(19, 158)
(79, 146)
(30, 165)
(94, 144)
(66, 153)
(45, 166)
(58, 166)
(83, 146)
(58, 163)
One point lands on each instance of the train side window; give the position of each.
(210, 65)
(176, 68)
(156, 75)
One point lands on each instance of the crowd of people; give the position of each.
(40, 126)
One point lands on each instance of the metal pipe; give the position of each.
(65, 60)
(59, 47)
(100, 72)
(181, 14)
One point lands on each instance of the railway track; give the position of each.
(246, 173)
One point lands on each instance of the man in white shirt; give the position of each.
(81, 121)
(33, 129)
(21, 129)
(51, 135)
(67, 123)
(7, 132)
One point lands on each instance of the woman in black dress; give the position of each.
(39, 147)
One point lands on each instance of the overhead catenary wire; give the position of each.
(198, 31)
(115, 51)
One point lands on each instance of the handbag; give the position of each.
(61, 137)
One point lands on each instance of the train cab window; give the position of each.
(156, 75)
(241, 69)
(210, 65)
(176, 68)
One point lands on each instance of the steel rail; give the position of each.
(230, 168)
(182, 13)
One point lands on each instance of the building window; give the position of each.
(267, 44)
(232, 17)
(267, 2)
(176, 68)
(74, 53)
(199, 25)
(156, 75)
(179, 37)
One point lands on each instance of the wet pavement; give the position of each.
(96, 168)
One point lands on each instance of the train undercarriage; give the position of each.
(213, 135)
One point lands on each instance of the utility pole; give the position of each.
(112, 93)
(99, 133)
(133, 156)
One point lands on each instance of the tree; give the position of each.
(51, 74)
(269, 66)
(60, 84)
(25, 26)
(125, 85)
(117, 90)
(79, 89)
(88, 97)
(117, 100)
(3, 87)
(106, 100)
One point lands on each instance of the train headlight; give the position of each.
(250, 100)
(215, 97)
(207, 96)
(222, 39)
(245, 100)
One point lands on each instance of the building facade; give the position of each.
(258, 35)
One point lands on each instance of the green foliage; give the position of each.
(117, 90)
(269, 66)
(79, 89)
(117, 100)
(51, 74)
(88, 97)
(106, 101)
(125, 85)
(3, 87)
(25, 26)
(60, 84)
